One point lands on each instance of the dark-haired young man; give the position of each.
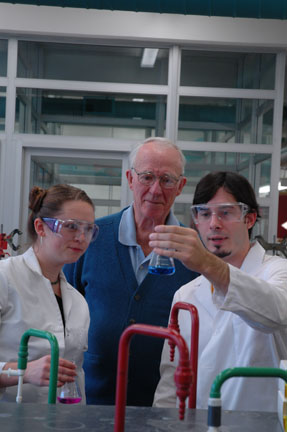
(241, 295)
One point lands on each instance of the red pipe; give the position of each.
(182, 377)
(173, 324)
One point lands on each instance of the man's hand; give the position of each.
(185, 245)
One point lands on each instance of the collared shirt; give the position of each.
(128, 237)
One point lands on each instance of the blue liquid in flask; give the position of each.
(161, 270)
(161, 265)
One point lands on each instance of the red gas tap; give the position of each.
(173, 324)
(182, 377)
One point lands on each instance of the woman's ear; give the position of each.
(39, 226)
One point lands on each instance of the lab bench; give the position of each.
(27, 417)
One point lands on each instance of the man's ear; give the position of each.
(250, 219)
(181, 185)
(39, 226)
(129, 177)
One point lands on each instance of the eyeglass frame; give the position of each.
(244, 211)
(58, 224)
(169, 176)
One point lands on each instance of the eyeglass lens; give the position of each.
(149, 178)
(227, 212)
(77, 227)
(71, 228)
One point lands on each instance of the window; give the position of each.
(90, 63)
(228, 70)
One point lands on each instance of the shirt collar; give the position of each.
(32, 262)
(253, 259)
(127, 228)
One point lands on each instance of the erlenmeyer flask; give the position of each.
(161, 265)
(69, 393)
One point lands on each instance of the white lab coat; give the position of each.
(247, 327)
(27, 301)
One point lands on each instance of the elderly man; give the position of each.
(113, 276)
(241, 295)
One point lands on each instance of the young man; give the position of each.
(114, 277)
(241, 295)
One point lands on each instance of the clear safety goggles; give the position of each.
(71, 228)
(225, 212)
(148, 178)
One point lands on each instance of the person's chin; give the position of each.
(221, 253)
(152, 209)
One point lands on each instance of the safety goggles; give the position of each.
(148, 178)
(72, 228)
(225, 212)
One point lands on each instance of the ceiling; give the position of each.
(276, 9)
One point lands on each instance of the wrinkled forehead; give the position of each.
(159, 160)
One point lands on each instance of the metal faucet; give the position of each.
(173, 324)
(182, 377)
(214, 403)
(22, 363)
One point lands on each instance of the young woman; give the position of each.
(34, 293)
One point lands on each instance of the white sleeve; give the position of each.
(260, 300)
(165, 394)
(3, 303)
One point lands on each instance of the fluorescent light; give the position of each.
(138, 100)
(266, 189)
(149, 57)
(282, 186)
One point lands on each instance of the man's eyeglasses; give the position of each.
(71, 227)
(148, 178)
(226, 212)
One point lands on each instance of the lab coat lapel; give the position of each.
(203, 295)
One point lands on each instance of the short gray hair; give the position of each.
(159, 140)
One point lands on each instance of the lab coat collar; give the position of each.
(253, 259)
(32, 262)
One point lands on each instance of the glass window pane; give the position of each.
(228, 70)
(225, 120)
(89, 114)
(92, 63)
(3, 57)
(252, 166)
(100, 178)
(2, 108)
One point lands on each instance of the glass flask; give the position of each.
(69, 393)
(161, 265)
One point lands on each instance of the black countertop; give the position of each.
(44, 418)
